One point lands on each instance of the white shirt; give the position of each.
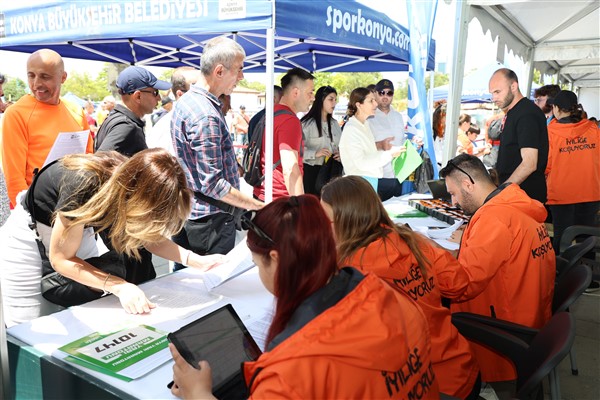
(160, 134)
(313, 142)
(388, 125)
(358, 151)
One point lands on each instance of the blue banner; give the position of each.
(421, 15)
(37, 21)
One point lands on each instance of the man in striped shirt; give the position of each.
(204, 148)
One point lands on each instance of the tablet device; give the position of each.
(221, 339)
(437, 187)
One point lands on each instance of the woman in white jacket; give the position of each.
(359, 153)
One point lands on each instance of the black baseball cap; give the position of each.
(565, 100)
(384, 84)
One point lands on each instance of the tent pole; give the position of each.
(461, 27)
(270, 70)
(529, 74)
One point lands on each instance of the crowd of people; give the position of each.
(325, 247)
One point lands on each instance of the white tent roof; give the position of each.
(559, 37)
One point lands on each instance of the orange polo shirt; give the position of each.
(29, 129)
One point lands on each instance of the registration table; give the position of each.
(38, 371)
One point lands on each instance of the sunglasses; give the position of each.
(461, 170)
(153, 92)
(386, 93)
(248, 224)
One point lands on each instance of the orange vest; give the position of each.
(392, 260)
(30, 128)
(373, 344)
(508, 270)
(573, 170)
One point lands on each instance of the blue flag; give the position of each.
(421, 15)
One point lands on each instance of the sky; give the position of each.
(480, 48)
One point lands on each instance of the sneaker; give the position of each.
(594, 286)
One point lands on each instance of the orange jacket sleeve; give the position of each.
(484, 248)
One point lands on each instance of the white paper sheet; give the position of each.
(239, 260)
(68, 143)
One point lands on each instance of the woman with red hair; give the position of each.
(336, 333)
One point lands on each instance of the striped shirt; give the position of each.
(204, 148)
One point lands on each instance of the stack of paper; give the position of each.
(127, 354)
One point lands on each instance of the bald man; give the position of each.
(31, 125)
(523, 153)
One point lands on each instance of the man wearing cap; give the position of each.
(387, 125)
(31, 125)
(123, 129)
(523, 153)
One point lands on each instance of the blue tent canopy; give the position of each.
(316, 35)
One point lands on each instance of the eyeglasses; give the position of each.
(248, 224)
(386, 93)
(153, 92)
(461, 170)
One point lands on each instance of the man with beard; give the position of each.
(523, 153)
(508, 265)
(542, 95)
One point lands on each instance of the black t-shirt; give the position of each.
(55, 189)
(525, 126)
(121, 131)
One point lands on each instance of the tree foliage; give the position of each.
(83, 86)
(14, 89)
(252, 85)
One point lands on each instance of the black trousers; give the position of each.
(310, 177)
(565, 215)
(388, 188)
(212, 234)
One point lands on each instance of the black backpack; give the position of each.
(423, 173)
(495, 129)
(253, 153)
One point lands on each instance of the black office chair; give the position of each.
(575, 231)
(573, 255)
(566, 292)
(534, 360)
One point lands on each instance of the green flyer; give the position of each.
(407, 162)
(126, 354)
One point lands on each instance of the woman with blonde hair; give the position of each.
(368, 240)
(136, 202)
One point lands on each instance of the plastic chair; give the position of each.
(533, 360)
(573, 254)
